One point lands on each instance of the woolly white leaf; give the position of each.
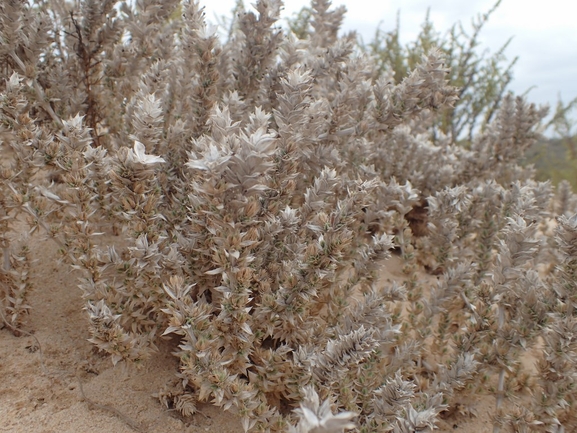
(138, 154)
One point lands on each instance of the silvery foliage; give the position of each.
(246, 197)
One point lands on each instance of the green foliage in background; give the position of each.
(552, 161)
(482, 78)
(556, 158)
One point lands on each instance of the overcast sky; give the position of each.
(544, 33)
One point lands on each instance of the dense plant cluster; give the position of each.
(241, 197)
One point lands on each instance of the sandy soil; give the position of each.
(43, 378)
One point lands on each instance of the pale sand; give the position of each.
(48, 399)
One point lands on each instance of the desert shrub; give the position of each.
(241, 197)
(481, 78)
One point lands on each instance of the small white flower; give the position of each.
(213, 157)
(14, 81)
(94, 153)
(138, 155)
(318, 418)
